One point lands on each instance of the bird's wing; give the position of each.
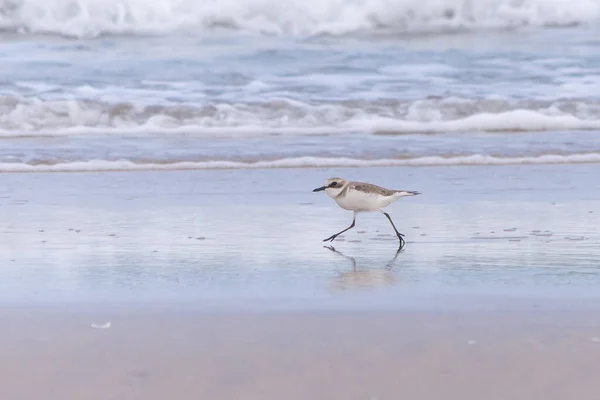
(369, 188)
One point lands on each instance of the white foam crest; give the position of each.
(36, 117)
(509, 121)
(302, 162)
(89, 18)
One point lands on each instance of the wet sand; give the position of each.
(153, 354)
(217, 285)
(234, 237)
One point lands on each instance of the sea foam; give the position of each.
(90, 18)
(37, 117)
(301, 162)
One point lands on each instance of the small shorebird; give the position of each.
(362, 197)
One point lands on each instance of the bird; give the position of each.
(362, 197)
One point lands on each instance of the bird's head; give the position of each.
(332, 187)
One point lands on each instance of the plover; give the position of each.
(362, 197)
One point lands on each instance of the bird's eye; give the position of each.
(333, 184)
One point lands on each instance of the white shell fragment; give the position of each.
(101, 326)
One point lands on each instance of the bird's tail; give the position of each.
(404, 193)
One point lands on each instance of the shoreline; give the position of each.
(426, 300)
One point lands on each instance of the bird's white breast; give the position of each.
(355, 200)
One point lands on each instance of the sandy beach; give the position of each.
(216, 284)
(154, 354)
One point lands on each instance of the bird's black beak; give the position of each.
(320, 188)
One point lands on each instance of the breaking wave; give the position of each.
(91, 18)
(35, 117)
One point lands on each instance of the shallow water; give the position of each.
(219, 238)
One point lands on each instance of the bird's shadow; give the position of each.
(364, 277)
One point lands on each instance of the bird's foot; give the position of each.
(330, 238)
(402, 242)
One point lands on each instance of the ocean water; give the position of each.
(146, 84)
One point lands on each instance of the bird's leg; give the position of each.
(332, 237)
(395, 230)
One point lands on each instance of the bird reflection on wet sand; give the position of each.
(364, 278)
